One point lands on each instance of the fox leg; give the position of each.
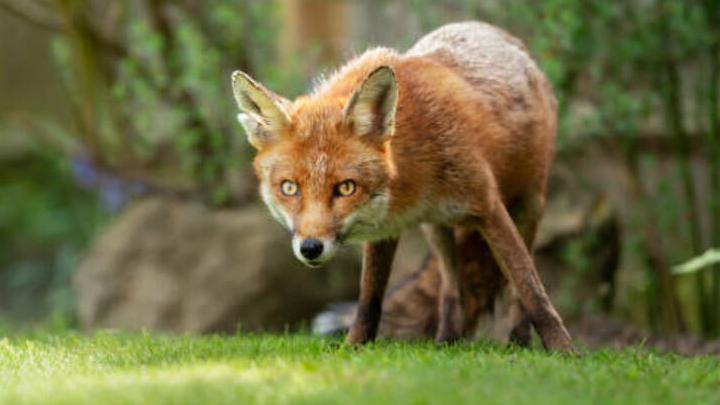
(450, 314)
(377, 260)
(513, 257)
(512, 319)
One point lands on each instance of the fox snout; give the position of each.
(313, 252)
(311, 249)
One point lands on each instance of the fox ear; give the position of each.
(263, 113)
(371, 108)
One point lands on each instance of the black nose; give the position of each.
(311, 248)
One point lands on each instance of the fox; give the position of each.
(455, 133)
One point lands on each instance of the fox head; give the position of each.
(323, 160)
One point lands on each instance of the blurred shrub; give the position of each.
(152, 96)
(47, 221)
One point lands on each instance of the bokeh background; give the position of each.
(127, 200)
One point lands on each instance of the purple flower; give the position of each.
(83, 171)
(114, 191)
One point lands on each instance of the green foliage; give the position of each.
(113, 369)
(705, 260)
(46, 223)
(167, 116)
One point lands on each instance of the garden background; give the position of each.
(127, 199)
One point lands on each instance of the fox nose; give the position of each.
(311, 248)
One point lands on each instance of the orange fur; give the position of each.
(455, 132)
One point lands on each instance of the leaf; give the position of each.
(710, 257)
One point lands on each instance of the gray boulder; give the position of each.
(178, 267)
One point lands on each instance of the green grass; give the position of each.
(105, 368)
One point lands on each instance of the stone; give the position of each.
(176, 266)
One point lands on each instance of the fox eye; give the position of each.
(345, 189)
(289, 188)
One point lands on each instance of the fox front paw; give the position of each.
(559, 341)
(358, 336)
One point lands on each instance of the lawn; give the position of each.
(108, 368)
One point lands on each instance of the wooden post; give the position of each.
(314, 33)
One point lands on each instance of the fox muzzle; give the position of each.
(313, 252)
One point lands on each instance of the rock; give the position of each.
(176, 266)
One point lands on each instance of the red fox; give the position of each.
(457, 132)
